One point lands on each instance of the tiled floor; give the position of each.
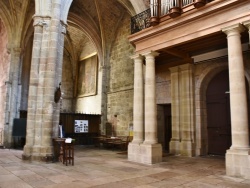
(102, 168)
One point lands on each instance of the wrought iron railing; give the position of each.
(159, 8)
(140, 21)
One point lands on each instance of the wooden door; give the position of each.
(168, 126)
(218, 114)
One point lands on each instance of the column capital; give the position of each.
(187, 66)
(247, 24)
(13, 49)
(238, 28)
(151, 54)
(41, 20)
(174, 69)
(63, 28)
(137, 57)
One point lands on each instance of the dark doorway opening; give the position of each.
(168, 126)
(218, 114)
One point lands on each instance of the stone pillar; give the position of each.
(237, 157)
(14, 94)
(30, 128)
(151, 151)
(138, 110)
(138, 100)
(46, 73)
(150, 100)
(58, 76)
(187, 110)
(175, 111)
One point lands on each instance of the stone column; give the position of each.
(237, 157)
(138, 110)
(13, 104)
(30, 128)
(150, 100)
(175, 111)
(58, 76)
(46, 73)
(138, 100)
(151, 151)
(187, 110)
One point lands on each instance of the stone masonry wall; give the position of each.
(163, 86)
(67, 84)
(90, 104)
(120, 95)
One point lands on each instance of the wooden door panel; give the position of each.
(218, 115)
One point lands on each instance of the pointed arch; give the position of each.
(90, 32)
(6, 18)
(42, 7)
(200, 99)
(139, 5)
(65, 10)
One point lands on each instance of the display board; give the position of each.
(81, 126)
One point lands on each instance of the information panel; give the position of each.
(81, 126)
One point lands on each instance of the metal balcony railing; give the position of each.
(140, 21)
(159, 8)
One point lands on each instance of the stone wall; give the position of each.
(90, 104)
(163, 88)
(120, 95)
(68, 84)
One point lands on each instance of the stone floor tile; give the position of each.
(14, 184)
(114, 185)
(106, 168)
(9, 177)
(139, 181)
(59, 178)
(75, 184)
(23, 173)
(164, 175)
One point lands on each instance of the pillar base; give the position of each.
(38, 153)
(134, 152)
(187, 148)
(145, 153)
(174, 147)
(238, 163)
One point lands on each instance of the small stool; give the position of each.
(68, 154)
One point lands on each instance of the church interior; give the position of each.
(171, 77)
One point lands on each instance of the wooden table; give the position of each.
(58, 148)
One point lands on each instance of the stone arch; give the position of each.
(42, 8)
(65, 10)
(6, 19)
(90, 32)
(202, 82)
(139, 5)
(200, 99)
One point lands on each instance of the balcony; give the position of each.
(161, 10)
(196, 31)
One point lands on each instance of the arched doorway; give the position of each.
(218, 114)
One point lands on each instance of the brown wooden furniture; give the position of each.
(58, 148)
(63, 152)
(68, 153)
